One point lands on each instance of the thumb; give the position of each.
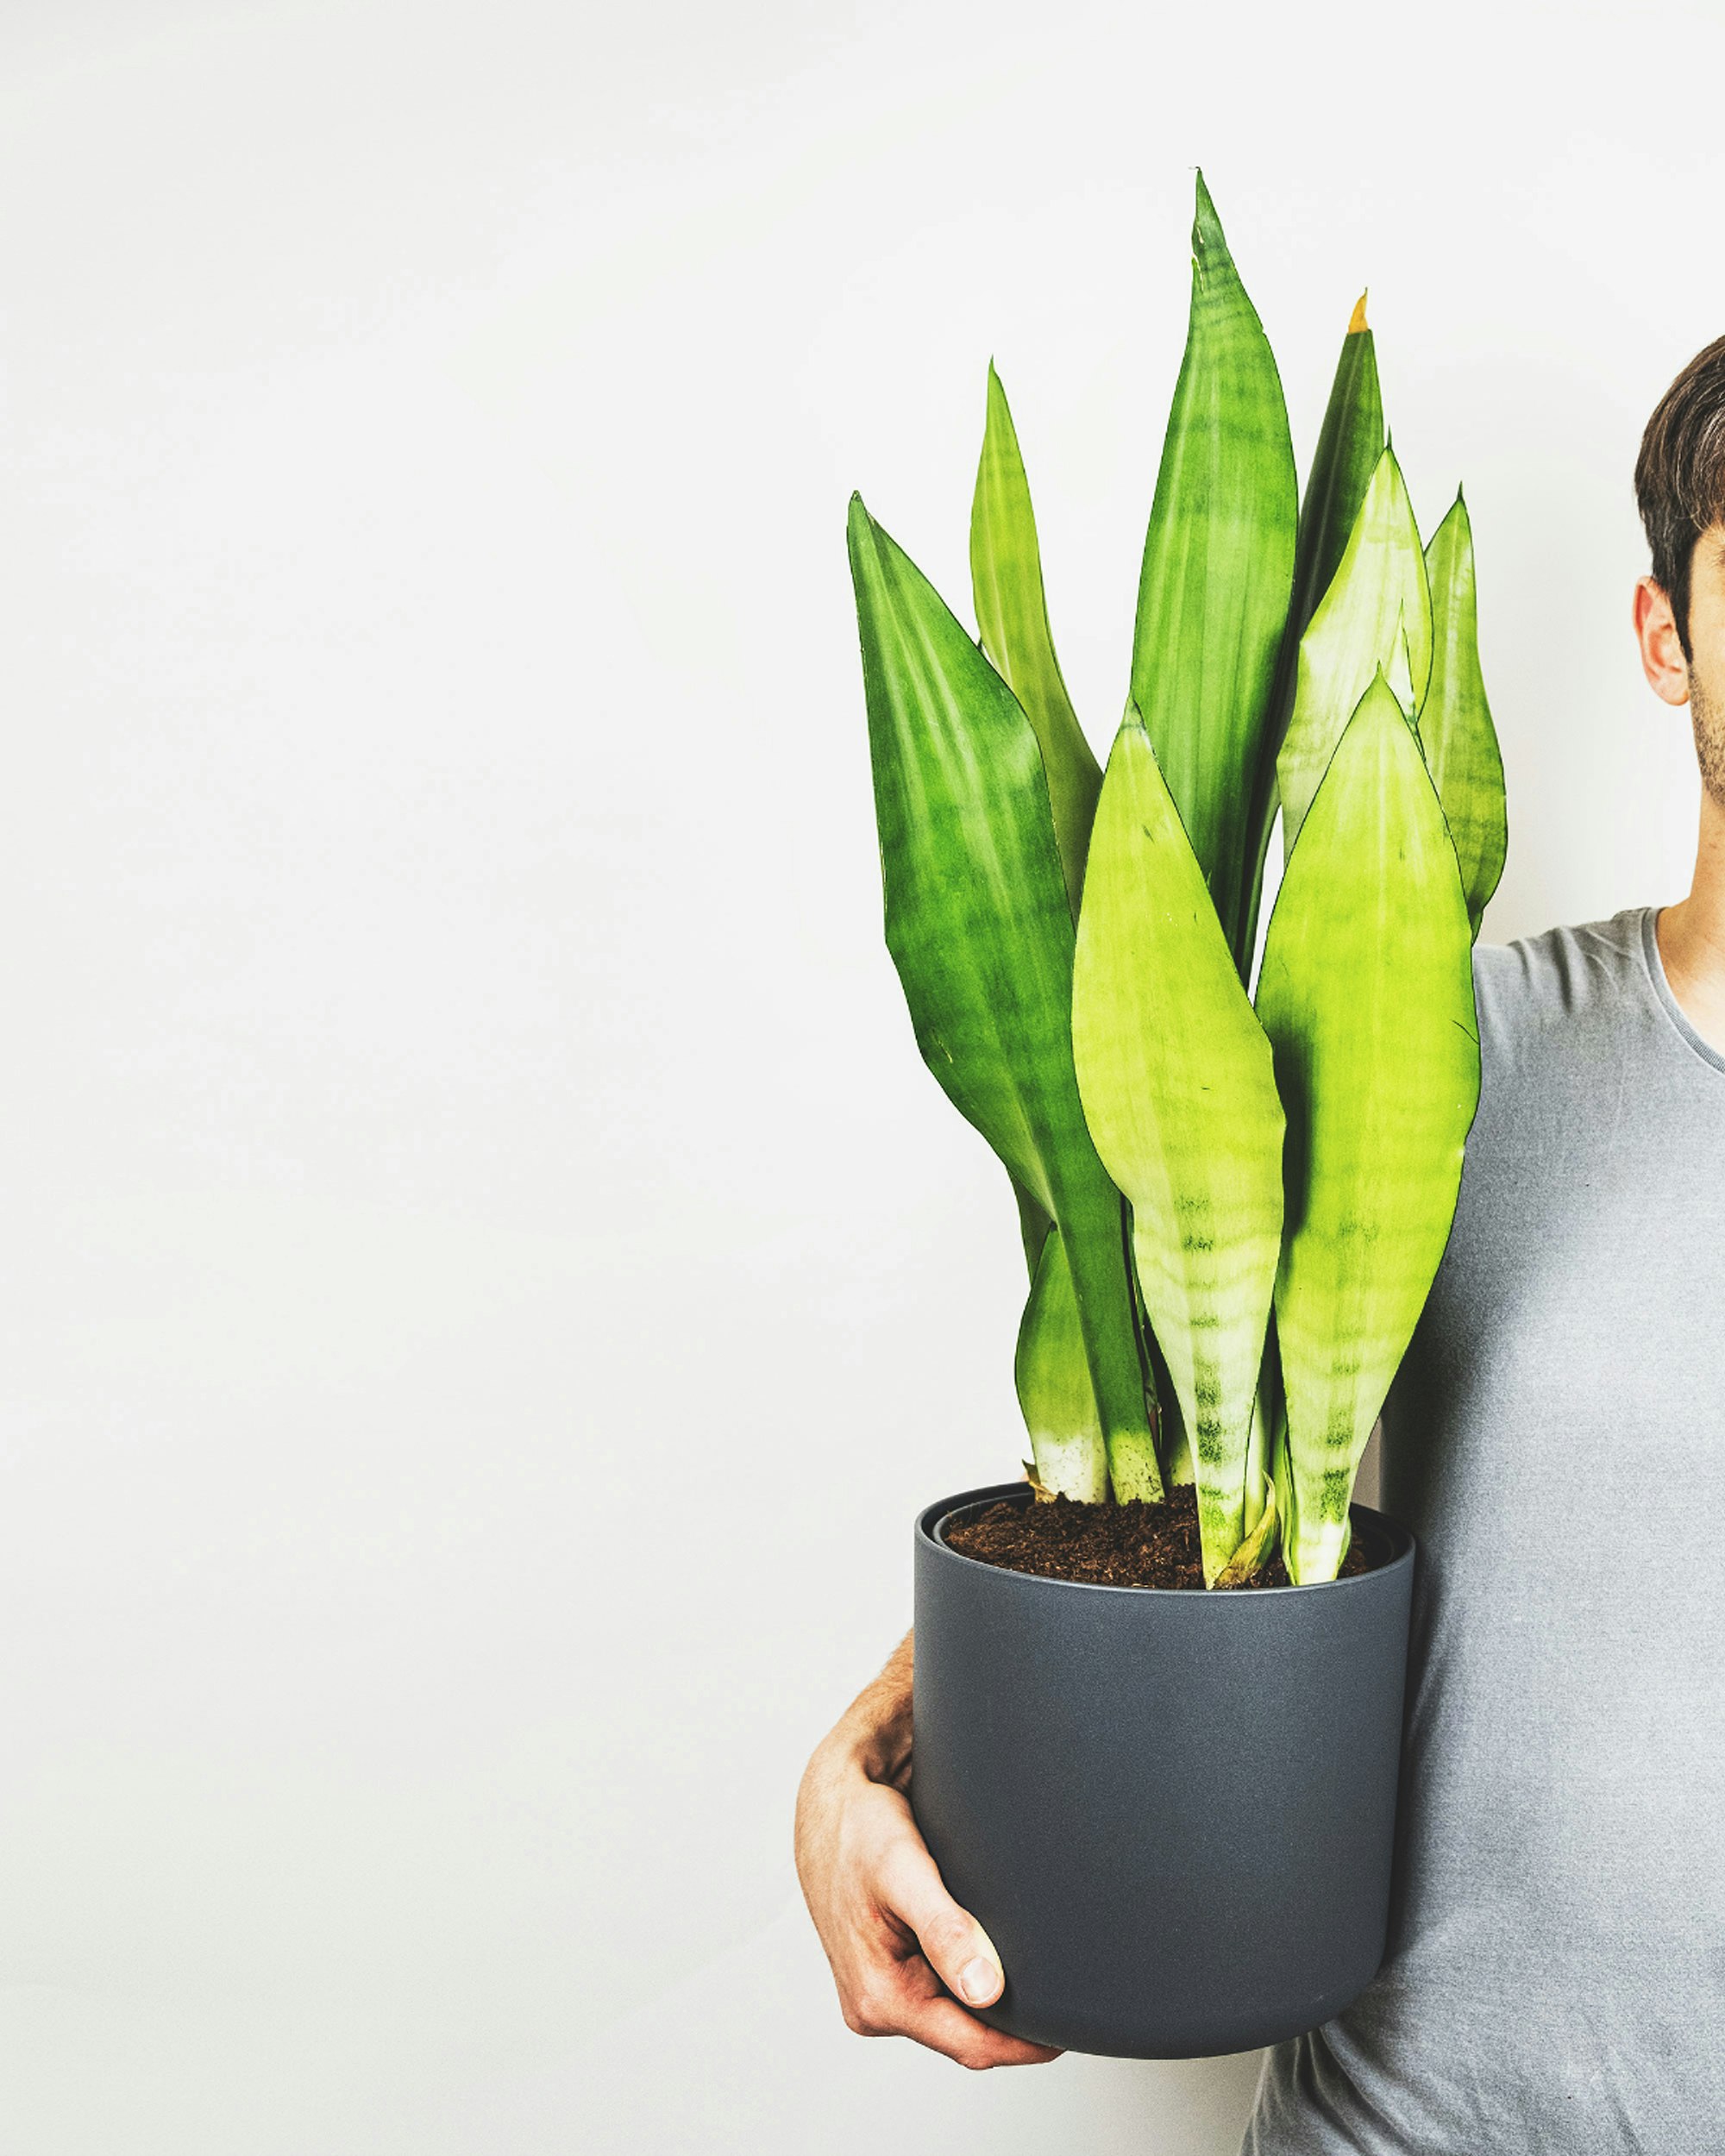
(954, 1944)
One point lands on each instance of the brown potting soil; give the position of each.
(1133, 1544)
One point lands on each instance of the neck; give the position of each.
(1691, 934)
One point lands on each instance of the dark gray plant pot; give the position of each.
(1173, 1812)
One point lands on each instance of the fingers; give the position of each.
(905, 1999)
(961, 1952)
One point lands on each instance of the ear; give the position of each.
(1662, 659)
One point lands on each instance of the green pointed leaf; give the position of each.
(1376, 605)
(1055, 1393)
(979, 926)
(1218, 569)
(1350, 442)
(1176, 1081)
(1455, 720)
(1011, 618)
(1366, 990)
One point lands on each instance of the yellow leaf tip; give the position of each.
(1357, 321)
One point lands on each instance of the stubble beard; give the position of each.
(1707, 716)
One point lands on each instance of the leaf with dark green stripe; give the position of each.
(1011, 617)
(1455, 720)
(1218, 570)
(980, 928)
(1375, 617)
(1366, 992)
(1176, 1081)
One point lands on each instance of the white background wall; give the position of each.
(487, 1280)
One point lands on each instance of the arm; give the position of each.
(903, 1952)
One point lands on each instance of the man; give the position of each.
(1555, 1979)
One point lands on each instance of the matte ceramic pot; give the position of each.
(1173, 1811)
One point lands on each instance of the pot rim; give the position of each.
(933, 1517)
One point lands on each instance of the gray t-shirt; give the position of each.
(1556, 1439)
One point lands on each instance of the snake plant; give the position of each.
(1233, 1192)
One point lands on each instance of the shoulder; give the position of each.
(1565, 979)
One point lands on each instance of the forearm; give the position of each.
(873, 1733)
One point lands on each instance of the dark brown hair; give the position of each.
(1680, 474)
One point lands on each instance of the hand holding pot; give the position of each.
(902, 1951)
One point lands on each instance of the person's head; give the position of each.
(1680, 606)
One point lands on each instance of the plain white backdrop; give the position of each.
(486, 1281)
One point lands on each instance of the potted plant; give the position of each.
(1158, 1685)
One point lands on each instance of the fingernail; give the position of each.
(978, 1981)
